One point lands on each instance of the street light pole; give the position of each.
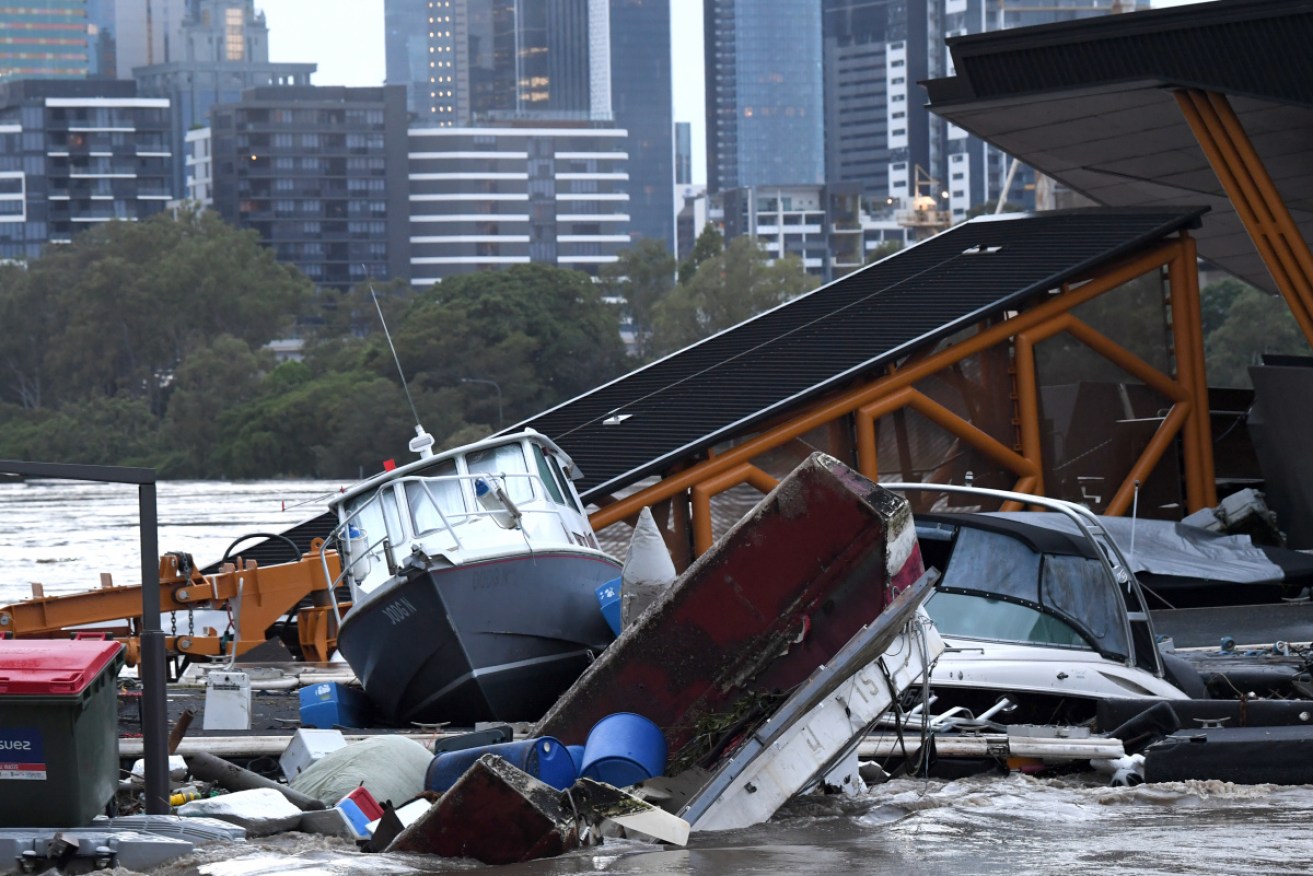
(495, 386)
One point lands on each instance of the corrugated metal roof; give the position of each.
(1091, 103)
(849, 329)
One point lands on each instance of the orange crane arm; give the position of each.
(257, 597)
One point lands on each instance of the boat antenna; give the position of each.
(1135, 513)
(422, 443)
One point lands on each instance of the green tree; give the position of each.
(30, 321)
(642, 277)
(137, 297)
(726, 290)
(542, 334)
(209, 383)
(1215, 302)
(1255, 323)
(710, 243)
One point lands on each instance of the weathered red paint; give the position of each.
(772, 600)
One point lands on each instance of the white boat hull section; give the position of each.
(824, 734)
(1059, 672)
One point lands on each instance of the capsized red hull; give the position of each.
(818, 558)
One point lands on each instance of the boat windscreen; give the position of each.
(1075, 589)
(505, 460)
(438, 491)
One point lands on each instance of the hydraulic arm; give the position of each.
(255, 597)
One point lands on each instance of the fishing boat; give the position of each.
(473, 577)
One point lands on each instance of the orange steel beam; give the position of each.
(823, 412)
(1187, 334)
(1023, 358)
(1186, 269)
(1288, 239)
(1153, 452)
(702, 493)
(264, 594)
(1257, 203)
(1181, 396)
(973, 435)
(1123, 358)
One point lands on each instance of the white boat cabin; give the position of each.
(510, 495)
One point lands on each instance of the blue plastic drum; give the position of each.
(624, 749)
(544, 758)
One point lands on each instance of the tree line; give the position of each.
(147, 344)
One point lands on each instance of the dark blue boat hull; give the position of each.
(496, 640)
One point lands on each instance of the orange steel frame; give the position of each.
(688, 491)
(1257, 202)
(861, 406)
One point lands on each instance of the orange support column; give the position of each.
(1028, 407)
(1256, 200)
(1188, 337)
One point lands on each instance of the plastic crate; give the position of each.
(59, 759)
(331, 704)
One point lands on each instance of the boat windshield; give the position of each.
(439, 491)
(979, 617)
(504, 459)
(1075, 589)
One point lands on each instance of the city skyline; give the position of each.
(345, 38)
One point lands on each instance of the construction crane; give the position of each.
(925, 218)
(1115, 7)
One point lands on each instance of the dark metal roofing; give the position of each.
(1091, 104)
(851, 328)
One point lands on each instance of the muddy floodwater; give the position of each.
(1012, 825)
(64, 534)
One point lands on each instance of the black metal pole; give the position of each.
(155, 730)
(154, 697)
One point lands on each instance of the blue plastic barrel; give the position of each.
(544, 758)
(577, 752)
(623, 749)
(608, 600)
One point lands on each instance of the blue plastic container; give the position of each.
(608, 599)
(623, 749)
(356, 818)
(334, 705)
(544, 758)
(577, 752)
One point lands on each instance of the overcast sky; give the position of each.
(345, 38)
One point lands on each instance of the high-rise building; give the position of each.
(683, 154)
(74, 154)
(319, 172)
(126, 34)
(43, 39)
(224, 51)
(487, 197)
(973, 172)
(486, 62)
(643, 105)
(764, 93)
(466, 61)
(876, 130)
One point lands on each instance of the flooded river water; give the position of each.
(64, 534)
